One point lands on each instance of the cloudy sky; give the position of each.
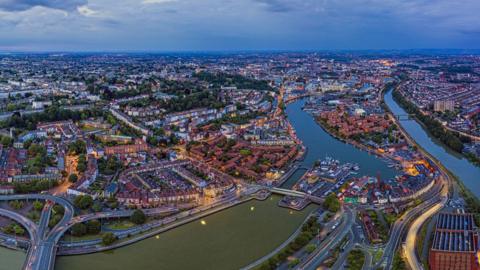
(185, 25)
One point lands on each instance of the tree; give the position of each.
(332, 203)
(37, 205)
(94, 226)
(108, 239)
(310, 248)
(83, 201)
(11, 107)
(58, 209)
(82, 163)
(18, 230)
(78, 229)
(138, 217)
(97, 207)
(6, 141)
(17, 205)
(78, 147)
(54, 220)
(73, 178)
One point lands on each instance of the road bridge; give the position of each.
(299, 194)
(41, 254)
(288, 192)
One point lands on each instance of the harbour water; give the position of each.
(321, 144)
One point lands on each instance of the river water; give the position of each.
(11, 259)
(468, 173)
(239, 235)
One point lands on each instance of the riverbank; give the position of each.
(229, 239)
(157, 229)
(451, 139)
(464, 174)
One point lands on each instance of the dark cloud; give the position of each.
(276, 5)
(21, 5)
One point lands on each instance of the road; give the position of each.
(433, 204)
(43, 248)
(322, 251)
(42, 251)
(411, 239)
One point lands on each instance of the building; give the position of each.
(25, 178)
(129, 122)
(455, 243)
(138, 146)
(443, 105)
(6, 190)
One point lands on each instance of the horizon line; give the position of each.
(233, 51)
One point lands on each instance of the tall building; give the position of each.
(443, 105)
(455, 243)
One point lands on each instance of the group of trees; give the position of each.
(138, 217)
(57, 214)
(108, 239)
(83, 201)
(110, 165)
(16, 205)
(178, 88)
(107, 94)
(91, 227)
(223, 79)
(34, 186)
(73, 178)
(162, 141)
(77, 147)
(53, 113)
(331, 203)
(14, 228)
(38, 159)
(82, 163)
(6, 141)
(355, 259)
(205, 99)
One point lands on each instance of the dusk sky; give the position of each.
(192, 25)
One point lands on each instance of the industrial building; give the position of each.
(455, 243)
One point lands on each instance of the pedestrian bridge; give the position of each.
(404, 116)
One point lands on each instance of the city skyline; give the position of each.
(213, 25)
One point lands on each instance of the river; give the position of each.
(239, 235)
(11, 259)
(321, 144)
(468, 173)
